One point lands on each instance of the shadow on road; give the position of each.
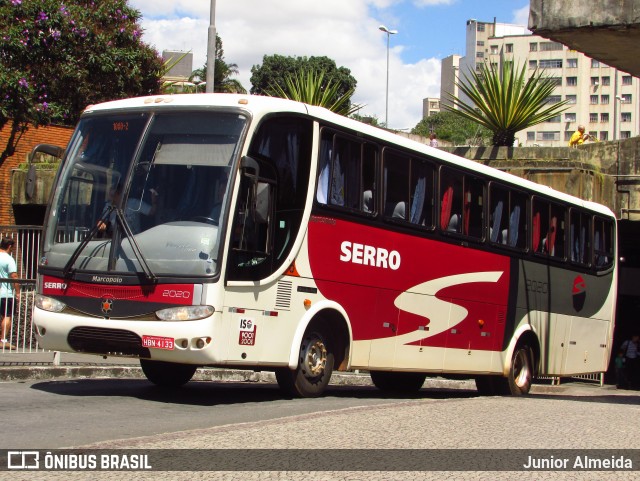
(211, 393)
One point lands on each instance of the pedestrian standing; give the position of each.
(621, 376)
(433, 140)
(631, 350)
(8, 290)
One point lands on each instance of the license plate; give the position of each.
(158, 342)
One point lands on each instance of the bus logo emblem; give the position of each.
(106, 305)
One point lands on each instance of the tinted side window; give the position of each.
(603, 242)
(347, 173)
(580, 238)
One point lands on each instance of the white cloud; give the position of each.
(521, 16)
(429, 3)
(342, 30)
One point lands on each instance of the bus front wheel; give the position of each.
(521, 371)
(315, 365)
(167, 374)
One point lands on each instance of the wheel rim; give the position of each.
(521, 371)
(314, 357)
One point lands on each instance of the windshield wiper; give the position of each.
(134, 246)
(120, 218)
(90, 235)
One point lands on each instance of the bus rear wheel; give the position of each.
(406, 382)
(167, 374)
(315, 366)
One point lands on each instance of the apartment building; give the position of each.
(430, 106)
(602, 98)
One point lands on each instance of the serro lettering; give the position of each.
(369, 255)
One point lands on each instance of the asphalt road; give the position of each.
(131, 414)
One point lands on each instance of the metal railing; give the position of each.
(26, 253)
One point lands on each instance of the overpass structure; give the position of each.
(606, 30)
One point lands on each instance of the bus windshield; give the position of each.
(144, 192)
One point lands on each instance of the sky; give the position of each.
(346, 31)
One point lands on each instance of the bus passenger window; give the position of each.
(396, 185)
(422, 175)
(517, 236)
(579, 237)
(451, 200)
(603, 242)
(473, 207)
(498, 225)
(557, 231)
(540, 237)
(369, 157)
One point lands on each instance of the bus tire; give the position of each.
(167, 374)
(521, 371)
(315, 366)
(406, 382)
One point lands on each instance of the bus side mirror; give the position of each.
(48, 149)
(249, 163)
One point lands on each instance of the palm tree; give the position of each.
(309, 86)
(505, 101)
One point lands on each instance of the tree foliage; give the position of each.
(505, 101)
(310, 87)
(222, 81)
(58, 57)
(276, 68)
(453, 128)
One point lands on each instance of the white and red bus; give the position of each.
(259, 233)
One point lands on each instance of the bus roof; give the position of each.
(262, 105)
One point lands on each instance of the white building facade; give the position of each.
(602, 98)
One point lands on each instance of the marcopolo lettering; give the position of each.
(107, 280)
(369, 255)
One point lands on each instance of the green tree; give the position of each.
(276, 68)
(309, 86)
(222, 81)
(505, 101)
(58, 57)
(452, 128)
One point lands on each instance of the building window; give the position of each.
(550, 46)
(595, 63)
(595, 81)
(480, 43)
(604, 117)
(625, 98)
(572, 63)
(604, 135)
(479, 54)
(604, 99)
(548, 136)
(555, 81)
(627, 80)
(552, 63)
(593, 118)
(571, 99)
(572, 81)
(508, 48)
(593, 99)
(625, 117)
(570, 117)
(554, 99)
(494, 50)
(533, 64)
(533, 47)
(606, 81)
(625, 134)
(568, 134)
(556, 118)
(531, 135)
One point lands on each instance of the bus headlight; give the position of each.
(49, 303)
(185, 313)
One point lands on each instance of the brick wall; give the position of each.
(33, 136)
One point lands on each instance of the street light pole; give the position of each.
(386, 107)
(211, 49)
